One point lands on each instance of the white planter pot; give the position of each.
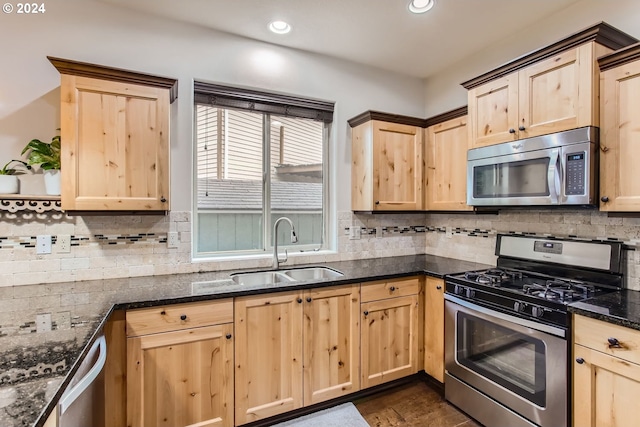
(52, 182)
(9, 184)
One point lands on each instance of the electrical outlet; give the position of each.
(63, 243)
(354, 232)
(378, 232)
(43, 322)
(172, 239)
(43, 244)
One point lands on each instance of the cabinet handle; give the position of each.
(512, 130)
(183, 317)
(604, 199)
(228, 336)
(163, 200)
(580, 360)
(438, 287)
(299, 300)
(393, 288)
(308, 299)
(613, 343)
(366, 313)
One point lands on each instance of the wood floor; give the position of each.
(411, 405)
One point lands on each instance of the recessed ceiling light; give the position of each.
(421, 6)
(279, 27)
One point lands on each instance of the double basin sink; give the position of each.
(285, 276)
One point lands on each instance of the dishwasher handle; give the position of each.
(71, 395)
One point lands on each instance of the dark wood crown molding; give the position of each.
(84, 69)
(453, 114)
(620, 57)
(385, 117)
(601, 33)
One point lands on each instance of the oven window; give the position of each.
(513, 360)
(527, 178)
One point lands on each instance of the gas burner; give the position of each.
(494, 276)
(559, 290)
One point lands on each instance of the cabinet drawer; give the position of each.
(175, 317)
(596, 334)
(373, 291)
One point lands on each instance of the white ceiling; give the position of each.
(379, 33)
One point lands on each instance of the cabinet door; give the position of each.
(389, 339)
(605, 390)
(268, 355)
(446, 159)
(620, 139)
(181, 378)
(434, 328)
(331, 343)
(558, 93)
(493, 111)
(397, 167)
(115, 148)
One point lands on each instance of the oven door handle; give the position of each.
(553, 176)
(559, 332)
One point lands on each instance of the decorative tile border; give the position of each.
(101, 239)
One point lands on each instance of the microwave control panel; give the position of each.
(575, 176)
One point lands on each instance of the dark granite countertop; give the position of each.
(620, 308)
(97, 299)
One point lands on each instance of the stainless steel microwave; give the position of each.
(555, 169)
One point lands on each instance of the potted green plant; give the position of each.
(9, 183)
(47, 156)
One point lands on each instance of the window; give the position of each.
(259, 157)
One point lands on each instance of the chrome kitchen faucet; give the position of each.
(294, 239)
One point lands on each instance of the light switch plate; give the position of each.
(354, 232)
(43, 244)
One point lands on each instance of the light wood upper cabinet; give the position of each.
(387, 166)
(446, 159)
(180, 376)
(620, 131)
(606, 379)
(434, 328)
(389, 334)
(115, 138)
(552, 89)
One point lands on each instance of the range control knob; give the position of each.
(471, 293)
(518, 306)
(537, 311)
(458, 290)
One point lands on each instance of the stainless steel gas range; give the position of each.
(507, 329)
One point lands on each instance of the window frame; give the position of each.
(268, 104)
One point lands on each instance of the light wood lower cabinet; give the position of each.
(606, 377)
(182, 377)
(434, 328)
(295, 349)
(389, 333)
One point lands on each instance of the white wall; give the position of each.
(443, 91)
(104, 34)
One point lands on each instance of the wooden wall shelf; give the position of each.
(22, 202)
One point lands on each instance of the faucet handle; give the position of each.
(286, 257)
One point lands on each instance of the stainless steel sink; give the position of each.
(312, 273)
(261, 278)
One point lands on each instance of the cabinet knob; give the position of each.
(520, 127)
(604, 199)
(299, 300)
(579, 360)
(393, 288)
(613, 342)
(366, 313)
(228, 336)
(163, 200)
(308, 299)
(438, 287)
(512, 130)
(183, 317)
(377, 202)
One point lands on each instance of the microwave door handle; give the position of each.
(553, 177)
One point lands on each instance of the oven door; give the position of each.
(518, 363)
(551, 176)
